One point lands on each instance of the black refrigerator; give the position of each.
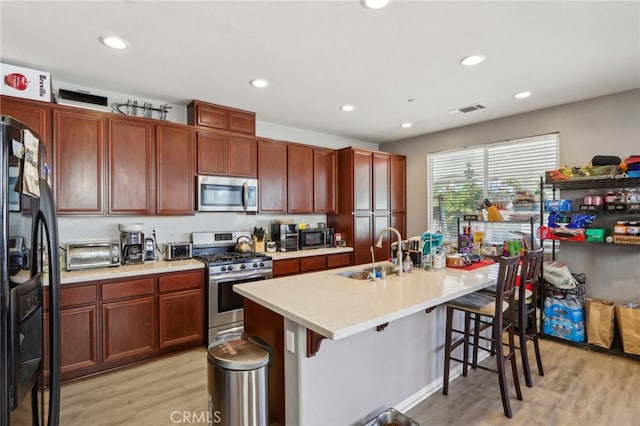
(29, 330)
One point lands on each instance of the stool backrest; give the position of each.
(506, 285)
(530, 273)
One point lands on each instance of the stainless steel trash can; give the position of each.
(237, 381)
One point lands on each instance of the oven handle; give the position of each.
(237, 277)
(245, 195)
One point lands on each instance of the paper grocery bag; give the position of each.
(629, 326)
(599, 322)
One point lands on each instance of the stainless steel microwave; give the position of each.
(226, 194)
(312, 238)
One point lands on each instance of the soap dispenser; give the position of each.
(407, 264)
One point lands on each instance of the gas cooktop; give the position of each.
(232, 257)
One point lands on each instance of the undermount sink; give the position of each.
(363, 274)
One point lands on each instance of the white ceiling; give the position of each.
(319, 55)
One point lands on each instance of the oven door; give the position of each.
(225, 305)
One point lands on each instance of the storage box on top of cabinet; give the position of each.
(221, 117)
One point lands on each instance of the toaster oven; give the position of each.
(96, 254)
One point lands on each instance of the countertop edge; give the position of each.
(283, 255)
(129, 271)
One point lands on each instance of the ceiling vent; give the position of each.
(466, 109)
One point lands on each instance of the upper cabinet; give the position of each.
(220, 117)
(212, 154)
(151, 167)
(79, 143)
(381, 181)
(398, 197)
(272, 176)
(225, 155)
(242, 156)
(324, 180)
(35, 114)
(300, 178)
(362, 180)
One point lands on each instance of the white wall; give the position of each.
(608, 125)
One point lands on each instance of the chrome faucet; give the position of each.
(372, 274)
(398, 267)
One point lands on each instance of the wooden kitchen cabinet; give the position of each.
(272, 177)
(324, 180)
(175, 169)
(338, 260)
(181, 310)
(131, 155)
(221, 117)
(313, 263)
(129, 325)
(35, 114)
(298, 265)
(362, 181)
(79, 144)
(227, 155)
(300, 179)
(286, 267)
(398, 184)
(78, 331)
(363, 238)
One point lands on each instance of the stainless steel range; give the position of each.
(226, 268)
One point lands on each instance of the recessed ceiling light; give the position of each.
(522, 95)
(259, 82)
(406, 125)
(113, 42)
(347, 108)
(469, 61)
(375, 4)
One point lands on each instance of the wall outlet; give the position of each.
(291, 341)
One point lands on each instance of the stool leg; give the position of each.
(522, 337)
(476, 339)
(447, 351)
(465, 356)
(536, 345)
(500, 360)
(514, 368)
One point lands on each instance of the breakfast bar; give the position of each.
(353, 348)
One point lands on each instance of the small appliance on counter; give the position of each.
(312, 238)
(286, 235)
(177, 251)
(149, 249)
(18, 254)
(132, 242)
(92, 254)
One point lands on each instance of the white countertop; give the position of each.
(336, 306)
(127, 271)
(281, 255)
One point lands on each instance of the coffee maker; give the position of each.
(132, 243)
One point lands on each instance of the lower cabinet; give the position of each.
(107, 324)
(305, 264)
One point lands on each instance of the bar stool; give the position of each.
(527, 330)
(489, 310)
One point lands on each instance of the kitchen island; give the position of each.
(381, 343)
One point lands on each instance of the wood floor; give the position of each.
(580, 387)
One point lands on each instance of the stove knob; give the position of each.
(224, 268)
(261, 264)
(243, 266)
(255, 265)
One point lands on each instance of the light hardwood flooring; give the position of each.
(580, 387)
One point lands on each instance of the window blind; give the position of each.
(460, 179)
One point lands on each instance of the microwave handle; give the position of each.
(245, 195)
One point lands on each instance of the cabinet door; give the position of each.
(272, 177)
(285, 267)
(131, 158)
(242, 156)
(399, 221)
(381, 182)
(324, 180)
(128, 330)
(398, 184)
(212, 154)
(32, 113)
(362, 181)
(175, 170)
(338, 260)
(313, 263)
(381, 221)
(362, 238)
(208, 115)
(78, 140)
(300, 179)
(242, 121)
(181, 318)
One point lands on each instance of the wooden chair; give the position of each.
(489, 310)
(530, 275)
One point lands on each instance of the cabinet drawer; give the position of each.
(123, 289)
(191, 280)
(338, 260)
(313, 263)
(285, 267)
(75, 296)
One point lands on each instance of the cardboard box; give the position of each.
(25, 83)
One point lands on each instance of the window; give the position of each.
(459, 180)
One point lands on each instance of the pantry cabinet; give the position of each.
(367, 202)
(79, 150)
